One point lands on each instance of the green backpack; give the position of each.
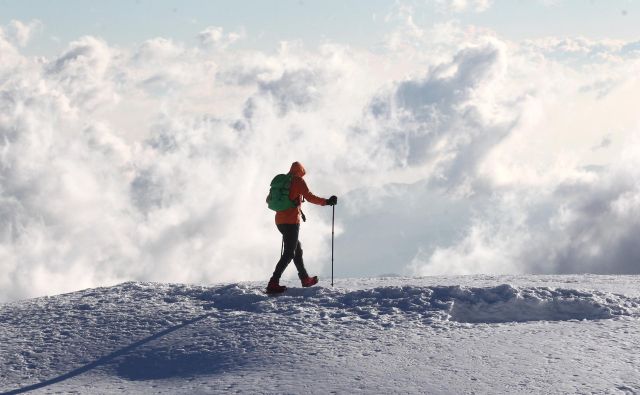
(278, 198)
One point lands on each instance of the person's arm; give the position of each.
(309, 196)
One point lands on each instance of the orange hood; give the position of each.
(297, 169)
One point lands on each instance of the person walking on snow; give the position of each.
(288, 223)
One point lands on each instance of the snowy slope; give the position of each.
(479, 334)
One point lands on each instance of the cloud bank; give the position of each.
(452, 150)
(464, 5)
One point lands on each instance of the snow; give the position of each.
(464, 334)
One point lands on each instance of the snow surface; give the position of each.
(466, 334)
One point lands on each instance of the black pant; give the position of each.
(292, 250)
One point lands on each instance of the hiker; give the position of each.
(288, 223)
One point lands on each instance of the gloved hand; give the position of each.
(332, 201)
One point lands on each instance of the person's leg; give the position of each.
(299, 262)
(290, 237)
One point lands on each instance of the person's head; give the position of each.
(297, 169)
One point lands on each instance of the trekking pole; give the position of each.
(333, 217)
(282, 248)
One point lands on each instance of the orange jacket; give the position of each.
(299, 189)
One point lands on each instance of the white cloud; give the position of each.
(19, 33)
(444, 121)
(152, 163)
(465, 5)
(550, 3)
(83, 73)
(561, 206)
(582, 51)
(214, 37)
(580, 226)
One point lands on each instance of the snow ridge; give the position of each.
(503, 303)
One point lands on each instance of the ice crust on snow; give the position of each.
(145, 331)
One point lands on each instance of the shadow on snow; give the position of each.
(134, 368)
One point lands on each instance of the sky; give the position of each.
(137, 139)
(266, 23)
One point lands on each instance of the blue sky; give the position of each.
(266, 23)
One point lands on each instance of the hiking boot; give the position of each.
(309, 281)
(274, 287)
